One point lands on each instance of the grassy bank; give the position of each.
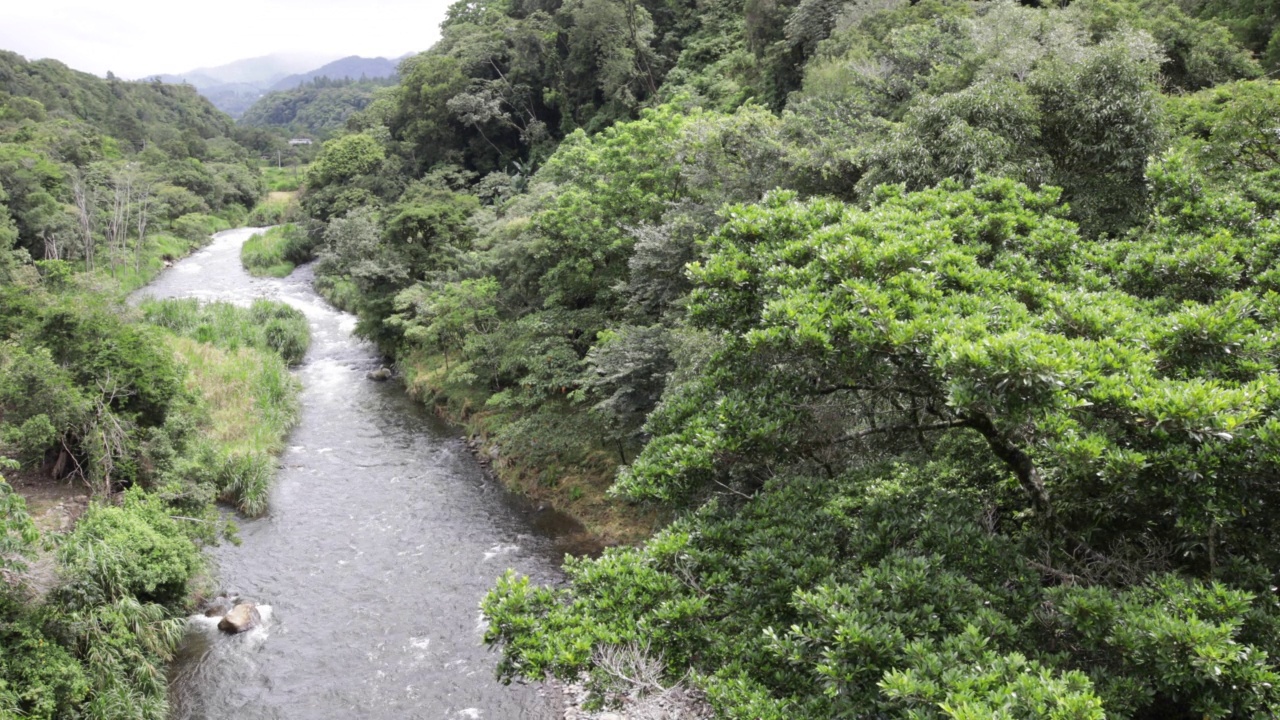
(576, 481)
(158, 419)
(276, 252)
(160, 251)
(237, 361)
(250, 402)
(275, 209)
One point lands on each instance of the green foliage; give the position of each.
(1198, 53)
(125, 646)
(274, 252)
(1226, 132)
(284, 179)
(447, 317)
(345, 158)
(1253, 22)
(1059, 96)
(627, 369)
(39, 677)
(102, 183)
(427, 228)
(959, 371)
(198, 227)
(90, 166)
(318, 107)
(1168, 643)
(134, 550)
(81, 385)
(970, 684)
(265, 325)
(173, 117)
(18, 535)
(1058, 384)
(341, 179)
(275, 212)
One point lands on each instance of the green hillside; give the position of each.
(314, 109)
(936, 339)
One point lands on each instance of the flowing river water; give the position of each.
(382, 536)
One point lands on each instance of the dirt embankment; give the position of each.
(54, 506)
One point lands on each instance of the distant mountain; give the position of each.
(234, 87)
(353, 67)
(259, 71)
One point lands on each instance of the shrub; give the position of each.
(39, 678)
(134, 550)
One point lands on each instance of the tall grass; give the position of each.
(131, 272)
(275, 252)
(265, 325)
(237, 361)
(278, 208)
(251, 401)
(284, 179)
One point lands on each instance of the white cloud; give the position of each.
(136, 38)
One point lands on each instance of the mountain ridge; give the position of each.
(352, 66)
(260, 70)
(235, 86)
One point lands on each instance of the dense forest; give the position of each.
(317, 108)
(938, 339)
(155, 412)
(927, 350)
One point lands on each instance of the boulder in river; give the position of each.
(381, 374)
(242, 617)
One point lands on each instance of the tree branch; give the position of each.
(907, 427)
(1017, 460)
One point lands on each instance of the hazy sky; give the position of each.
(136, 38)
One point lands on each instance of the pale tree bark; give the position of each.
(51, 249)
(86, 201)
(118, 222)
(143, 215)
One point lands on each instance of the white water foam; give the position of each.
(497, 550)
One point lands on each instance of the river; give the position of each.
(383, 535)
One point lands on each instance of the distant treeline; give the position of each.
(318, 107)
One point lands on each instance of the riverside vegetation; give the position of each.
(939, 338)
(159, 410)
(276, 251)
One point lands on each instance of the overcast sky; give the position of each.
(137, 38)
